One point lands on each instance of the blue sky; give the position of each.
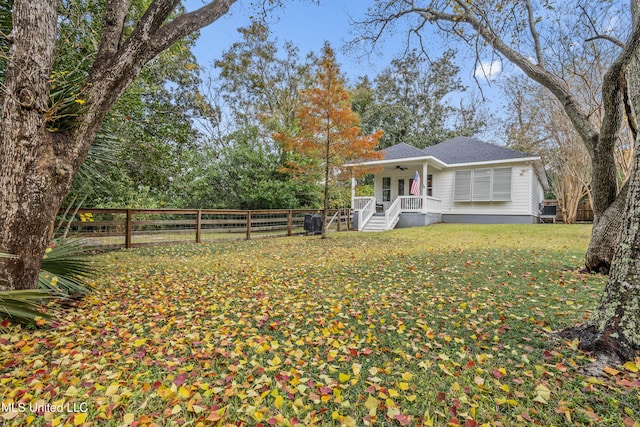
(308, 25)
(304, 23)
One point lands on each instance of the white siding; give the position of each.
(526, 189)
(537, 195)
(521, 196)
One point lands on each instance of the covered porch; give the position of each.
(405, 211)
(403, 196)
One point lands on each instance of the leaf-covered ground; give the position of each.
(443, 325)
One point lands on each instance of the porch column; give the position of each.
(353, 191)
(424, 187)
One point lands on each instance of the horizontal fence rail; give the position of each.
(128, 228)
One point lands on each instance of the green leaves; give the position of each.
(408, 101)
(23, 306)
(67, 269)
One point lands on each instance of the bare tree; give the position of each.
(541, 40)
(38, 159)
(570, 177)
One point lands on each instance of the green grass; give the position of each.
(425, 326)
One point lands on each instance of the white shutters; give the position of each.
(501, 184)
(482, 185)
(462, 191)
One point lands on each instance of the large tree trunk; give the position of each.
(613, 332)
(605, 236)
(37, 165)
(618, 314)
(624, 77)
(29, 173)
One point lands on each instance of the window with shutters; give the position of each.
(483, 185)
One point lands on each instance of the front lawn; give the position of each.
(446, 324)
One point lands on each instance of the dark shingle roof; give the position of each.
(461, 149)
(402, 151)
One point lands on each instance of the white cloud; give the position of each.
(488, 70)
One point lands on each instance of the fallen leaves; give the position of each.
(338, 332)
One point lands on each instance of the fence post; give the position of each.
(127, 239)
(198, 225)
(339, 218)
(290, 222)
(349, 220)
(248, 225)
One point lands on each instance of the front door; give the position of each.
(386, 192)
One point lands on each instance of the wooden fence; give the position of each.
(128, 228)
(583, 214)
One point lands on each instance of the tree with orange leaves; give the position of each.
(328, 133)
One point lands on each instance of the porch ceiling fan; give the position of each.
(402, 168)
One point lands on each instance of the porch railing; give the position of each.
(410, 203)
(414, 204)
(392, 215)
(359, 203)
(366, 207)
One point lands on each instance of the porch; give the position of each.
(404, 211)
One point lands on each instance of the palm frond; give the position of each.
(66, 268)
(102, 157)
(23, 306)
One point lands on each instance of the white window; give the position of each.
(483, 185)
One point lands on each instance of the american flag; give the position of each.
(415, 185)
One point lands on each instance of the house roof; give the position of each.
(402, 151)
(458, 150)
(463, 149)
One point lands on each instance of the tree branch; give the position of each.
(152, 35)
(537, 72)
(597, 36)
(535, 34)
(188, 23)
(148, 27)
(613, 87)
(612, 39)
(113, 21)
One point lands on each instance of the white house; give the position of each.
(461, 180)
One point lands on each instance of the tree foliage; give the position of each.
(261, 80)
(53, 108)
(409, 101)
(328, 134)
(258, 87)
(147, 134)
